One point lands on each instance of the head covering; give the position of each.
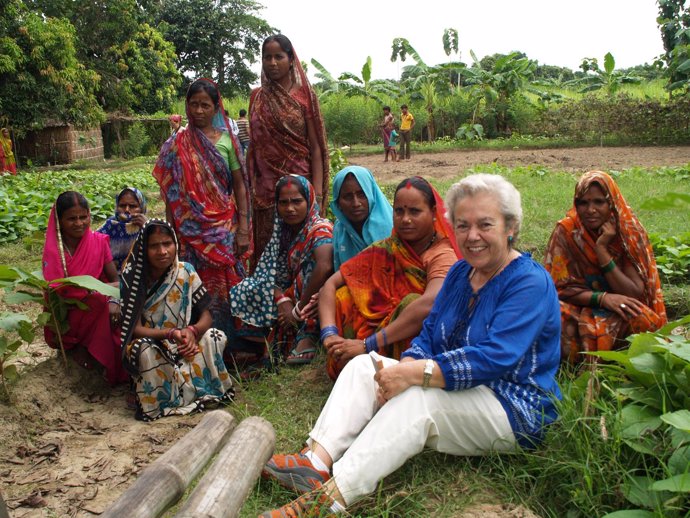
(441, 224)
(197, 187)
(134, 288)
(119, 228)
(175, 118)
(633, 236)
(84, 261)
(347, 242)
(282, 264)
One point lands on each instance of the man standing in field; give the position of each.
(406, 125)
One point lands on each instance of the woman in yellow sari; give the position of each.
(601, 260)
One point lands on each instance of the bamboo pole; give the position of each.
(164, 481)
(227, 483)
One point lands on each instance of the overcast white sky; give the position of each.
(340, 35)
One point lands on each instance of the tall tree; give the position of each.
(219, 39)
(135, 63)
(41, 78)
(674, 23)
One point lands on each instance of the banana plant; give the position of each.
(608, 79)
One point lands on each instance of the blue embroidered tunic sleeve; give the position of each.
(506, 336)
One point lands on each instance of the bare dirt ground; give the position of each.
(451, 164)
(68, 444)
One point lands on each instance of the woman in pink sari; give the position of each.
(71, 249)
(287, 135)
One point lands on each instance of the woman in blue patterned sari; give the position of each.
(169, 347)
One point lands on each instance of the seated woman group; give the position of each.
(479, 377)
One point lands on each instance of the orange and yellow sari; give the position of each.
(380, 282)
(573, 264)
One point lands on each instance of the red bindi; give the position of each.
(408, 185)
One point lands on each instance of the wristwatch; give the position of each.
(428, 371)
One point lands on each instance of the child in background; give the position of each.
(243, 126)
(393, 145)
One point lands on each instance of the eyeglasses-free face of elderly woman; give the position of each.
(479, 377)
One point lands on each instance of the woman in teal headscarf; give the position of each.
(363, 214)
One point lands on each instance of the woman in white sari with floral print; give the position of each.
(169, 347)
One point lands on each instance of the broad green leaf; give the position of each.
(679, 419)
(10, 372)
(21, 297)
(637, 420)
(43, 318)
(638, 490)
(3, 345)
(26, 331)
(649, 363)
(609, 63)
(7, 273)
(647, 444)
(89, 283)
(630, 513)
(676, 484)
(679, 438)
(679, 462)
(11, 321)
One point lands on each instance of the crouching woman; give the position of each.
(169, 347)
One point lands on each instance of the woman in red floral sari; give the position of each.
(288, 136)
(601, 260)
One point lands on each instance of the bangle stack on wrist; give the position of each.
(328, 331)
(170, 333)
(194, 330)
(370, 343)
(296, 311)
(282, 300)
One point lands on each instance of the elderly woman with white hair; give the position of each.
(479, 377)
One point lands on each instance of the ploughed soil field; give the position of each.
(68, 444)
(452, 163)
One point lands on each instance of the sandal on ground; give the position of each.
(303, 357)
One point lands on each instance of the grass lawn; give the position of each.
(586, 471)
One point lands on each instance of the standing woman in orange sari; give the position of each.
(601, 260)
(9, 164)
(287, 134)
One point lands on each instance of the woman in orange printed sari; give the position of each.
(601, 260)
(379, 298)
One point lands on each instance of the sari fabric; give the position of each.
(196, 185)
(387, 127)
(288, 269)
(89, 328)
(280, 144)
(118, 228)
(572, 262)
(347, 242)
(380, 282)
(8, 161)
(166, 382)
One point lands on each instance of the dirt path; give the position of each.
(451, 164)
(68, 444)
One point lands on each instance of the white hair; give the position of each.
(505, 192)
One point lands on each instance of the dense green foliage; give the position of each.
(216, 39)
(41, 78)
(25, 200)
(115, 40)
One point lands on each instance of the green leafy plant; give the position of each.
(17, 328)
(652, 380)
(672, 256)
(470, 132)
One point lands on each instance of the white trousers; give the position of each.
(368, 442)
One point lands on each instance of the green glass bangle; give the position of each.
(609, 267)
(594, 299)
